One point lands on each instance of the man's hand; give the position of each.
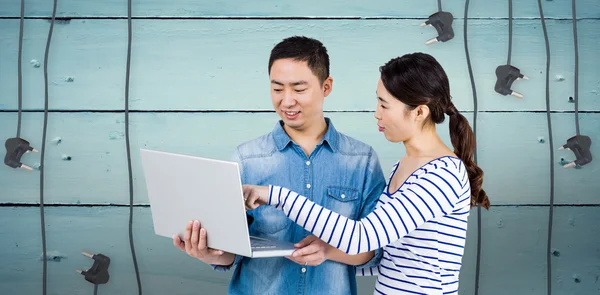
(310, 251)
(195, 245)
(255, 196)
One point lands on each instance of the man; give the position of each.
(305, 153)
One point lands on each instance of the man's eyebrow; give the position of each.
(301, 82)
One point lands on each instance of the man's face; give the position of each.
(296, 93)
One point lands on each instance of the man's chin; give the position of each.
(294, 124)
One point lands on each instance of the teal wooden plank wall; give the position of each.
(201, 66)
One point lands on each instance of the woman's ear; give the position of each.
(421, 113)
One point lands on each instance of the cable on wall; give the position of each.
(43, 151)
(473, 89)
(127, 74)
(576, 48)
(16, 147)
(550, 144)
(579, 144)
(98, 273)
(507, 74)
(442, 22)
(20, 69)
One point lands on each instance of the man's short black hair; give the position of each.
(306, 49)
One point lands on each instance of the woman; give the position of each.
(421, 217)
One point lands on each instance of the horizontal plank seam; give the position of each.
(68, 18)
(147, 205)
(270, 111)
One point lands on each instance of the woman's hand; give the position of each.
(255, 196)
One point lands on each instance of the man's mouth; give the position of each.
(291, 115)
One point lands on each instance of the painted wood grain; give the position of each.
(515, 163)
(514, 242)
(222, 64)
(513, 257)
(271, 8)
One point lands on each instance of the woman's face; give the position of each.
(394, 118)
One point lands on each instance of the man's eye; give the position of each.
(300, 90)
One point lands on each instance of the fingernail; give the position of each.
(202, 231)
(196, 223)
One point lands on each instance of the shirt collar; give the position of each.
(282, 139)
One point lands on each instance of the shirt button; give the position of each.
(307, 162)
(303, 269)
(343, 196)
(308, 185)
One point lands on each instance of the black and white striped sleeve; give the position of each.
(431, 195)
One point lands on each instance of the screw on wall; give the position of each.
(35, 63)
(500, 223)
(563, 162)
(53, 256)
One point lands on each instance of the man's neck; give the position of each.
(308, 138)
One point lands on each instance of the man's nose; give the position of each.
(288, 99)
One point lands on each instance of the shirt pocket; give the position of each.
(269, 220)
(344, 200)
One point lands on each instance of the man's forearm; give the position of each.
(358, 259)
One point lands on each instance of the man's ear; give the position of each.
(327, 86)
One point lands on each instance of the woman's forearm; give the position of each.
(358, 259)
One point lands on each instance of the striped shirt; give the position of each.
(421, 227)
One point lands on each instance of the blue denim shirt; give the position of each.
(342, 174)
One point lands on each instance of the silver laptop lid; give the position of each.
(183, 188)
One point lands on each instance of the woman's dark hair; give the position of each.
(418, 79)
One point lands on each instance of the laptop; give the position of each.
(183, 188)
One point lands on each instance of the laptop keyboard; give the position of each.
(261, 244)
